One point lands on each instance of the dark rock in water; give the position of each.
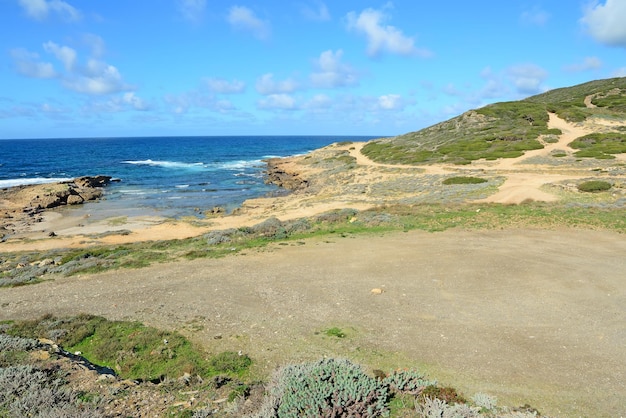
(90, 182)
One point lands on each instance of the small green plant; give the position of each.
(464, 180)
(594, 186)
(335, 332)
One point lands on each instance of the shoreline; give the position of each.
(335, 177)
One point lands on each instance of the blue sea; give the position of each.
(161, 176)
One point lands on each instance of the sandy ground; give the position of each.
(529, 316)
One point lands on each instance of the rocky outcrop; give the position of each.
(278, 174)
(73, 192)
(20, 206)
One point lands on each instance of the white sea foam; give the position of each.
(29, 181)
(181, 186)
(240, 164)
(166, 164)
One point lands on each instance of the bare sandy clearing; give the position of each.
(528, 316)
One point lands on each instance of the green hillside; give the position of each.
(508, 129)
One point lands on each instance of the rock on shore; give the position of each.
(278, 173)
(20, 205)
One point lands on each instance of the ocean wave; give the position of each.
(165, 164)
(239, 164)
(29, 181)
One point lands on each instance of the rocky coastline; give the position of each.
(279, 174)
(22, 206)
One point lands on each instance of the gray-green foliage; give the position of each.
(484, 401)
(436, 408)
(11, 343)
(29, 392)
(326, 388)
(407, 381)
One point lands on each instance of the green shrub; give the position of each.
(594, 186)
(463, 180)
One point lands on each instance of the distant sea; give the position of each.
(162, 176)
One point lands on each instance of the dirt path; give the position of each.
(528, 316)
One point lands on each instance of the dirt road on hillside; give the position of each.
(530, 316)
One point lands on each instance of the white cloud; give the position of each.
(266, 85)
(277, 102)
(589, 63)
(137, 103)
(40, 9)
(319, 102)
(97, 78)
(605, 22)
(63, 53)
(318, 13)
(28, 64)
(391, 102)
(242, 18)
(331, 72)
(219, 85)
(382, 38)
(527, 78)
(535, 16)
(192, 10)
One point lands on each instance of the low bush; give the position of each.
(464, 180)
(593, 186)
(326, 388)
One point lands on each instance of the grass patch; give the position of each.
(131, 349)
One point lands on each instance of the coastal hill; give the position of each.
(508, 129)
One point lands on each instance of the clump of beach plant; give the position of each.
(594, 186)
(407, 381)
(444, 393)
(464, 180)
(329, 387)
(485, 402)
(436, 408)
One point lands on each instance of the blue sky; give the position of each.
(101, 68)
